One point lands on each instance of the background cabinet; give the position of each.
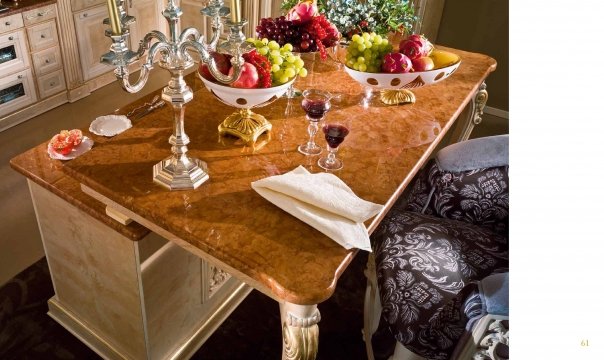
(92, 42)
(148, 17)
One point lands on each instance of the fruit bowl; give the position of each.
(244, 123)
(245, 98)
(394, 88)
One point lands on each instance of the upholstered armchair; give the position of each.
(440, 256)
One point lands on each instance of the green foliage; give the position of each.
(354, 16)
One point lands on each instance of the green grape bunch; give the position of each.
(366, 52)
(285, 65)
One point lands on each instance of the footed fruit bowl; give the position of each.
(244, 123)
(394, 88)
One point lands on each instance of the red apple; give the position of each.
(223, 64)
(424, 63)
(248, 79)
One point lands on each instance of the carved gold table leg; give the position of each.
(300, 331)
(475, 116)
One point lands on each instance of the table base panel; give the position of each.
(147, 299)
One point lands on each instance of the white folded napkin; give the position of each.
(324, 202)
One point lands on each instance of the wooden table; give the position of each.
(229, 226)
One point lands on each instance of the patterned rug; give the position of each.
(27, 332)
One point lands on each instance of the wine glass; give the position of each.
(334, 135)
(316, 103)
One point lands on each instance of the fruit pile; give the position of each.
(366, 52)
(64, 142)
(268, 65)
(303, 27)
(371, 53)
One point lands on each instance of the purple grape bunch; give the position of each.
(286, 31)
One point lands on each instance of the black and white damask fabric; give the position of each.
(479, 197)
(427, 269)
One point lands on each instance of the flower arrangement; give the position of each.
(303, 27)
(358, 16)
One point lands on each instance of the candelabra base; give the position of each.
(245, 125)
(397, 97)
(175, 174)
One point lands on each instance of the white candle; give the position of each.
(114, 17)
(235, 10)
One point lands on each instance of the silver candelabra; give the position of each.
(179, 171)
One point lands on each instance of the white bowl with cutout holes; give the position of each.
(245, 98)
(410, 80)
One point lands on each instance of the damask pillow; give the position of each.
(479, 196)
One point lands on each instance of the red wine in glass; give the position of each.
(315, 108)
(335, 134)
(316, 104)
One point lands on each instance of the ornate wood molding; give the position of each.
(69, 42)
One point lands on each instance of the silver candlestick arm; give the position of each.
(215, 10)
(179, 171)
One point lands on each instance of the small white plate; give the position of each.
(84, 146)
(110, 125)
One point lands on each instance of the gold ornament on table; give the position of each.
(179, 171)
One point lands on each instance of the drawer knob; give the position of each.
(43, 36)
(47, 61)
(11, 38)
(52, 83)
(7, 23)
(40, 14)
(85, 15)
(19, 76)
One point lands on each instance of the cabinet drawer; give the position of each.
(11, 22)
(51, 84)
(13, 52)
(42, 36)
(40, 14)
(16, 91)
(77, 5)
(47, 60)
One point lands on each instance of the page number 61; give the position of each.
(584, 342)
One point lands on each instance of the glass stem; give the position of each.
(313, 127)
(331, 157)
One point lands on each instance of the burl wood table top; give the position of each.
(233, 226)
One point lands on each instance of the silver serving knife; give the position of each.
(150, 109)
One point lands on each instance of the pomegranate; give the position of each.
(248, 78)
(396, 63)
(61, 143)
(75, 137)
